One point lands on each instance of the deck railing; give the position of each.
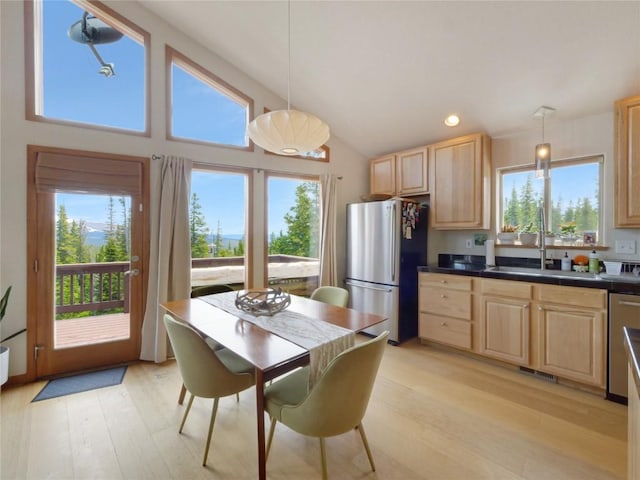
(92, 287)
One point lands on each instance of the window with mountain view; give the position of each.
(89, 66)
(571, 200)
(204, 108)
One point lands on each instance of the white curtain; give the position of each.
(170, 250)
(328, 262)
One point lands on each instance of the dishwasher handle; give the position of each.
(629, 304)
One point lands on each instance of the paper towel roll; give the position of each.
(491, 252)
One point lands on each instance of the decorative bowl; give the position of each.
(263, 302)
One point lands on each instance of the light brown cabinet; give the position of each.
(627, 163)
(445, 309)
(505, 320)
(570, 324)
(403, 173)
(459, 175)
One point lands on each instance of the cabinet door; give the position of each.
(571, 344)
(459, 176)
(627, 164)
(383, 175)
(505, 324)
(412, 172)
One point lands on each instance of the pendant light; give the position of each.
(288, 132)
(543, 150)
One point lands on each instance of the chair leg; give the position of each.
(272, 430)
(323, 455)
(360, 428)
(213, 419)
(237, 397)
(183, 391)
(186, 412)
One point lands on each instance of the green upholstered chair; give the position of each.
(206, 373)
(199, 292)
(333, 295)
(336, 404)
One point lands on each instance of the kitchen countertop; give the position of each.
(621, 284)
(632, 347)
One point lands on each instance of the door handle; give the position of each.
(628, 304)
(133, 272)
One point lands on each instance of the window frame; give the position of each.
(33, 58)
(268, 174)
(249, 217)
(565, 162)
(173, 56)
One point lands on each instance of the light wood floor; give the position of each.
(433, 415)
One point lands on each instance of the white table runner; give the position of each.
(323, 340)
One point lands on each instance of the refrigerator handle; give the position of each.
(347, 282)
(393, 233)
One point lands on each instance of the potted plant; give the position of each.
(4, 351)
(549, 238)
(529, 234)
(508, 234)
(568, 231)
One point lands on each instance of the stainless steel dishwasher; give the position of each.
(624, 311)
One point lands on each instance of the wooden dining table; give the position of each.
(270, 354)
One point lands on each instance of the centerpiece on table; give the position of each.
(266, 301)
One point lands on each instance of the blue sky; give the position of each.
(74, 90)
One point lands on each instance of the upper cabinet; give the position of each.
(402, 173)
(460, 173)
(627, 164)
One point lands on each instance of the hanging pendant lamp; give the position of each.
(543, 150)
(288, 132)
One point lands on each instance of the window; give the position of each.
(293, 215)
(217, 223)
(571, 199)
(204, 108)
(99, 83)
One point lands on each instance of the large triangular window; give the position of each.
(86, 65)
(204, 108)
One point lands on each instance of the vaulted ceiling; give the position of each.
(385, 74)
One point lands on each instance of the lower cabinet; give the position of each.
(571, 343)
(506, 329)
(554, 329)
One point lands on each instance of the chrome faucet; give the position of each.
(542, 228)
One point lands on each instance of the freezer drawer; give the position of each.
(379, 299)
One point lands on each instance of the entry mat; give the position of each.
(81, 383)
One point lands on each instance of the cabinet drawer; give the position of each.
(577, 296)
(456, 282)
(446, 330)
(505, 288)
(445, 301)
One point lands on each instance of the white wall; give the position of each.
(16, 133)
(586, 136)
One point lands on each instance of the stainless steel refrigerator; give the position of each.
(386, 242)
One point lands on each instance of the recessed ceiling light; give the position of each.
(452, 120)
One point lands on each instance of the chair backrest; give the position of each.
(338, 401)
(203, 373)
(333, 295)
(209, 290)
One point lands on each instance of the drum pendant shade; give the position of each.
(288, 132)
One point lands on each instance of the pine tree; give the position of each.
(198, 230)
(302, 224)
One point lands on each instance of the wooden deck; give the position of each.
(88, 330)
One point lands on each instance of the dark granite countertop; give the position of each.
(632, 346)
(474, 266)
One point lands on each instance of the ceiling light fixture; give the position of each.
(543, 150)
(452, 120)
(92, 31)
(288, 132)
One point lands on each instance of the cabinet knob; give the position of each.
(443, 324)
(443, 281)
(526, 305)
(540, 308)
(443, 296)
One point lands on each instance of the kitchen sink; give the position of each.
(536, 272)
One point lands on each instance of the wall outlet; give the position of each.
(469, 242)
(626, 246)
